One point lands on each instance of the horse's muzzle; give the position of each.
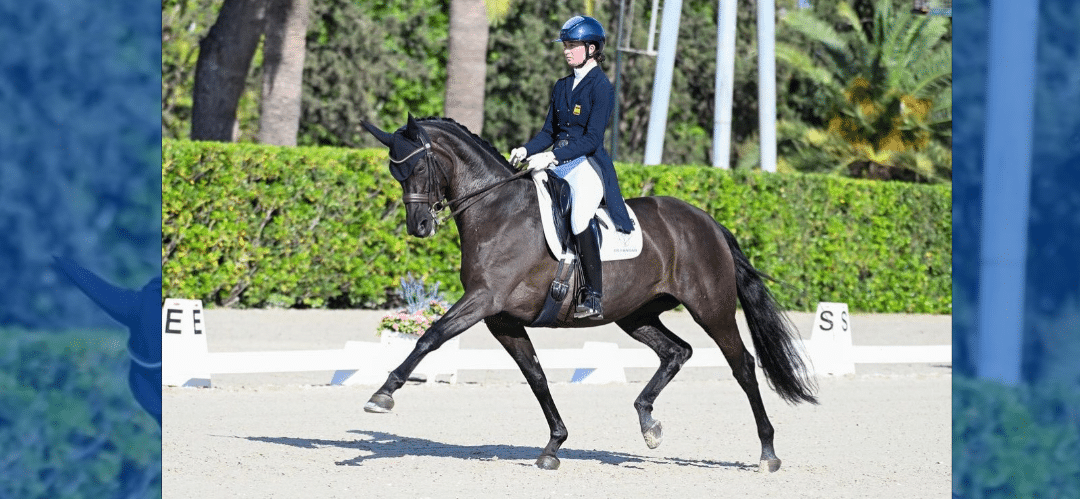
(419, 221)
(424, 228)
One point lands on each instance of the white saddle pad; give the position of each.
(614, 244)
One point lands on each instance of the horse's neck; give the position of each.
(494, 209)
(469, 177)
(486, 214)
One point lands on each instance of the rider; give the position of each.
(577, 118)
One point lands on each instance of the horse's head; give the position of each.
(414, 164)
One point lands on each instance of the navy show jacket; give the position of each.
(580, 117)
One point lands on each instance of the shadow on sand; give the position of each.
(379, 445)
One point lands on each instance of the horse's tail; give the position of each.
(772, 332)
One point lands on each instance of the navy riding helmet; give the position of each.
(584, 29)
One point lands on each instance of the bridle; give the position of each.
(437, 203)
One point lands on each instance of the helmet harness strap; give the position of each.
(587, 56)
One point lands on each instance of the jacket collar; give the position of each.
(584, 71)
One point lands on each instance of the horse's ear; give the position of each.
(382, 136)
(412, 130)
(121, 304)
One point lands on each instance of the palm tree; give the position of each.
(889, 89)
(466, 63)
(284, 49)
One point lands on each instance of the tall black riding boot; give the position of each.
(588, 244)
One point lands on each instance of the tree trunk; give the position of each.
(224, 58)
(466, 66)
(283, 71)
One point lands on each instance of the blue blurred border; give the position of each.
(1052, 287)
(80, 145)
(969, 103)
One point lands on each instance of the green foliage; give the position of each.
(323, 227)
(69, 426)
(379, 60)
(371, 60)
(1015, 442)
(889, 88)
(880, 247)
(368, 59)
(245, 225)
(183, 24)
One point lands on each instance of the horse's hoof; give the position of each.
(547, 463)
(379, 403)
(654, 435)
(769, 465)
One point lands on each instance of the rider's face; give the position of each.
(574, 53)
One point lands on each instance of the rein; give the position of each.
(482, 190)
(441, 204)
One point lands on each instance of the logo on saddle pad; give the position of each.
(614, 245)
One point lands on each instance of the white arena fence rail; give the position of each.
(186, 361)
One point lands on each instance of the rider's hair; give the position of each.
(599, 56)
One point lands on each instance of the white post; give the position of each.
(766, 21)
(184, 356)
(665, 65)
(725, 83)
(1010, 109)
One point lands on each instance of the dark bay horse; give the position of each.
(506, 270)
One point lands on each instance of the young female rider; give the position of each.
(578, 114)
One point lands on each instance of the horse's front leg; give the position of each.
(517, 343)
(468, 311)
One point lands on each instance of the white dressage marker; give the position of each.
(183, 344)
(830, 348)
(186, 362)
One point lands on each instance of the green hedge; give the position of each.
(1015, 442)
(69, 426)
(253, 226)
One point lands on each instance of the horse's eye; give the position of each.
(421, 169)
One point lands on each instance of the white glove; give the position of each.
(542, 160)
(517, 155)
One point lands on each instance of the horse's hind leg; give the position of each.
(726, 336)
(517, 343)
(673, 353)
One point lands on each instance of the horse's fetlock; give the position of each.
(766, 433)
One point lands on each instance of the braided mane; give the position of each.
(476, 138)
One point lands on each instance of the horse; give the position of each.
(140, 312)
(688, 258)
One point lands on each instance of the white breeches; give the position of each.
(586, 192)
